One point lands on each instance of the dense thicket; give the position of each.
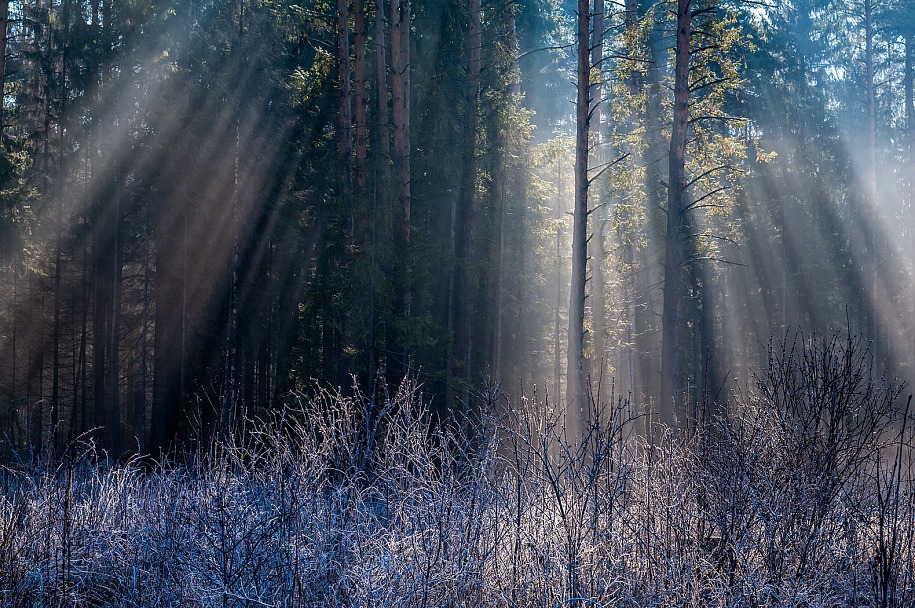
(792, 498)
(207, 204)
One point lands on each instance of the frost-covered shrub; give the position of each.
(798, 494)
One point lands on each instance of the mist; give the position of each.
(209, 207)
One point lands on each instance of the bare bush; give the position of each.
(798, 494)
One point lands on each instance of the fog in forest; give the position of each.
(440, 303)
(209, 207)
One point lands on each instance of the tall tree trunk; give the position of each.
(466, 216)
(55, 364)
(575, 382)
(101, 316)
(165, 417)
(34, 399)
(669, 408)
(650, 300)
(113, 406)
(4, 33)
(362, 140)
(144, 341)
(170, 326)
(873, 266)
(400, 112)
(910, 109)
(384, 135)
(230, 378)
(557, 330)
(909, 78)
(601, 201)
(170, 318)
(629, 363)
(344, 111)
(510, 186)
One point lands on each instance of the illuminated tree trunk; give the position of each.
(649, 273)
(871, 176)
(675, 252)
(909, 78)
(557, 329)
(628, 359)
(575, 382)
(601, 199)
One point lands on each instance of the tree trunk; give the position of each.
(55, 364)
(229, 401)
(101, 316)
(630, 281)
(384, 135)
(650, 273)
(873, 265)
(509, 175)
(909, 78)
(168, 340)
(113, 406)
(344, 112)
(400, 112)
(671, 404)
(575, 382)
(557, 329)
(4, 32)
(601, 201)
(144, 343)
(80, 397)
(466, 213)
(359, 93)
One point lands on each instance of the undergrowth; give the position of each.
(797, 493)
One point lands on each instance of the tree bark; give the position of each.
(400, 113)
(359, 92)
(510, 185)
(674, 257)
(168, 358)
(384, 135)
(468, 200)
(4, 32)
(909, 79)
(871, 177)
(630, 281)
(601, 200)
(575, 382)
(650, 273)
(344, 111)
(557, 330)
(114, 328)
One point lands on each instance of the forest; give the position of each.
(443, 303)
(208, 207)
